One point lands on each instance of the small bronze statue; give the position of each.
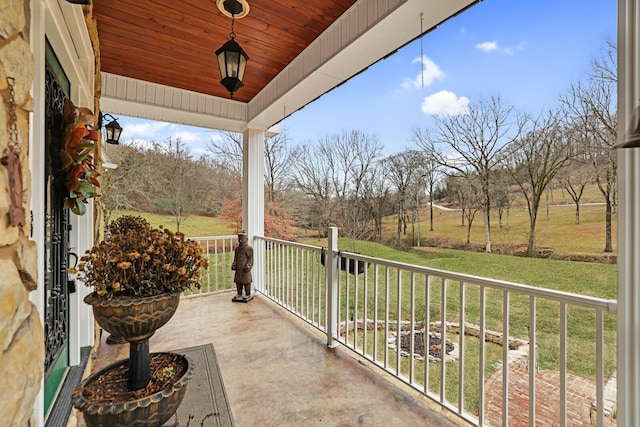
(242, 263)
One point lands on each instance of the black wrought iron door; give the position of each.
(56, 235)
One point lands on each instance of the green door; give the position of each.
(56, 323)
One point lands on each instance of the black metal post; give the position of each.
(139, 368)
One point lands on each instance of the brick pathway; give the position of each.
(580, 394)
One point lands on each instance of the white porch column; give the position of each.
(253, 195)
(253, 182)
(628, 316)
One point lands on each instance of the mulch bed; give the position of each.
(166, 369)
(435, 345)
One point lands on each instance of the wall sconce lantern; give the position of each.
(113, 129)
(232, 60)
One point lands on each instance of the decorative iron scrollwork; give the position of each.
(56, 234)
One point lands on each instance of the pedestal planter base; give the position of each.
(144, 411)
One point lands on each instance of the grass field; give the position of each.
(557, 231)
(193, 226)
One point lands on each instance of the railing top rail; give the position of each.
(288, 243)
(551, 294)
(231, 236)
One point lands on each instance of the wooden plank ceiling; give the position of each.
(172, 42)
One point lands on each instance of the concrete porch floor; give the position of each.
(278, 371)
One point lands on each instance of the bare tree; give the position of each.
(377, 196)
(471, 145)
(226, 150)
(313, 176)
(278, 158)
(466, 191)
(575, 177)
(591, 108)
(180, 190)
(432, 170)
(416, 192)
(121, 186)
(222, 184)
(402, 171)
(501, 194)
(535, 160)
(335, 172)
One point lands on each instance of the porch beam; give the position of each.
(628, 316)
(152, 101)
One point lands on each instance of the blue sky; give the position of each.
(527, 52)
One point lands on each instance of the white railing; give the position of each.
(293, 277)
(218, 276)
(382, 308)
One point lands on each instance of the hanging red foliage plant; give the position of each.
(78, 156)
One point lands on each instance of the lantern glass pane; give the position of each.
(242, 67)
(109, 131)
(116, 133)
(233, 61)
(221, 65)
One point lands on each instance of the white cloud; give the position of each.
(147, 130)
(493, 46)
(187, 136)
(521, 45)
(430, 72)
(487, 46)
(445, 102)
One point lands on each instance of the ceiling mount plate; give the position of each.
(242, 8)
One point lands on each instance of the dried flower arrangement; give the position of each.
(138, 260)
(77, 156)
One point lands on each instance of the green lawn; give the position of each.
(558, 232)
(193, 226)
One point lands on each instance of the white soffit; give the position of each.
(145, 100)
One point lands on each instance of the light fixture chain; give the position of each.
(232, 34)
(13, 119)
(421, 50)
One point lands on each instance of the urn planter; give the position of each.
(134, 319)
(151, 410)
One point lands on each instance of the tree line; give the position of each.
(480, 160)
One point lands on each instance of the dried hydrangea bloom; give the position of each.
(136, 259)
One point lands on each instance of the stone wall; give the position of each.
(21, 335)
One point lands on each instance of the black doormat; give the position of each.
(205, 392)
